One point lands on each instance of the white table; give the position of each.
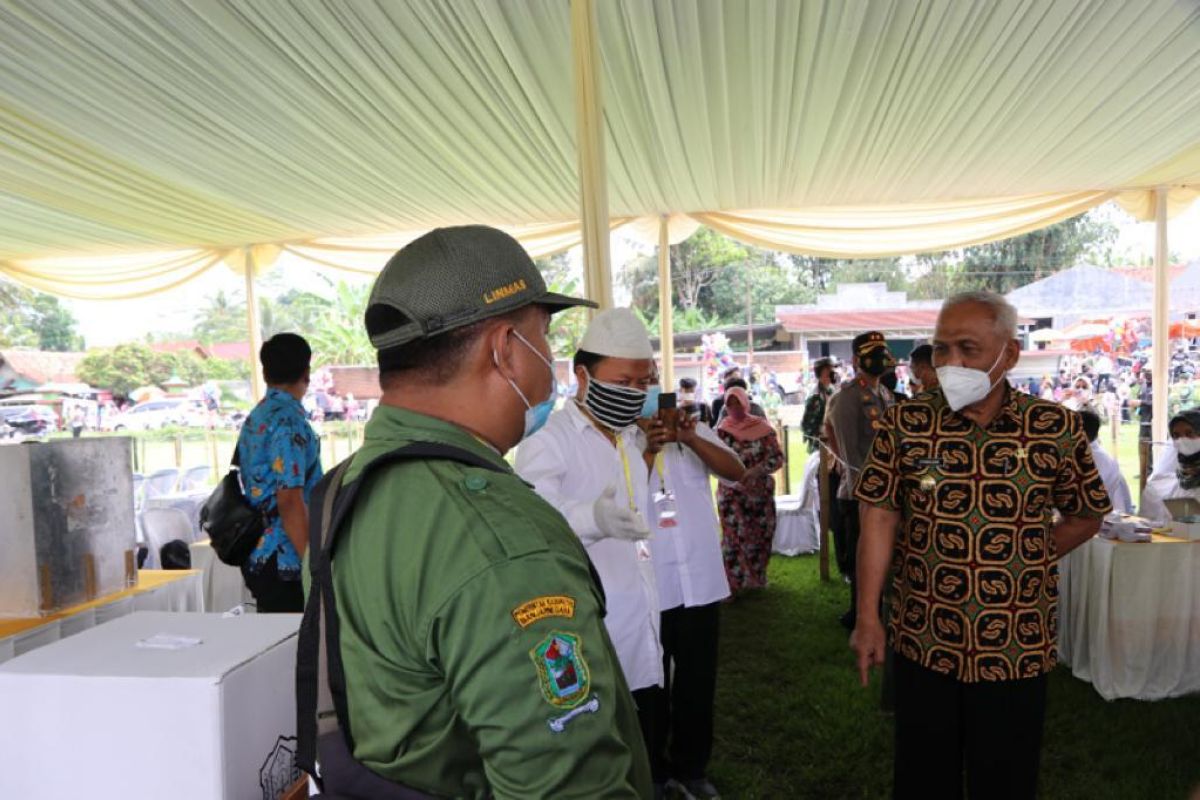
(223, 584)
(1129, 617)
(157, 590)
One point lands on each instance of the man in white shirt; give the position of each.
(1110, 470)
(691, 585)
(588, 462)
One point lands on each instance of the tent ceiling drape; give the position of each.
(198, 128)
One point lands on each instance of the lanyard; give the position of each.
(628, 477)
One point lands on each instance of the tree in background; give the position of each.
(709, 278)
(123, 368)
(338, 334)
(566, 327)
(29, 318)
(1012, 263)
(293, 311)
(223, 319)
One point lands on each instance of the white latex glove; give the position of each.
(618, 522)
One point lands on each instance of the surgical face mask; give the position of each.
(687, 398)
(614, 406)
(964, 386)
(535, 415)
(650, 406)
(1187, 447)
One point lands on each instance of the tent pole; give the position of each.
(589, 121)
(1160, 323)
(252, 326)
(666, 310)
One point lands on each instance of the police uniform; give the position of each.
(464, 600)
(855, 414)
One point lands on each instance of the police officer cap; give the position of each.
(865, 342)
(617, 333)
(452, 277)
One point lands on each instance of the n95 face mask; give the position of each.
(964, 386)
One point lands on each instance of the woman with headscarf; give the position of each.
(1177, 473)
(747, 508)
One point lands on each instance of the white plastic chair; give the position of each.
(162, 482)
(162, 525)
(194, 478)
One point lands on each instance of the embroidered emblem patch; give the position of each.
(558, 605)
(562, 672)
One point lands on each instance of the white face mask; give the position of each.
(1185, 446)
(964, 386)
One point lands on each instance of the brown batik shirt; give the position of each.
(975, 581)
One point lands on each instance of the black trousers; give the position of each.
(835, 522)
(649, 703)
(683, 730)
(848, 510)
(993, 729)
(273, 595)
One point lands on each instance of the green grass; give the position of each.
(792, 721)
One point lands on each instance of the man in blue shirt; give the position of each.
(281, 463)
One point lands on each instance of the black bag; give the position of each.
(232, 524)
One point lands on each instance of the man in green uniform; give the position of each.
(472, 636)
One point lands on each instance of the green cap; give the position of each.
(452, 277)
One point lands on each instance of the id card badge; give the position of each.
(643, 550)
(664, 505)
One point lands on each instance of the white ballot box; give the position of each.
(154, 705)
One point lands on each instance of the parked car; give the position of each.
(151, 415)
(29, 420)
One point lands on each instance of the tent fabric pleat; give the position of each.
(201, 128)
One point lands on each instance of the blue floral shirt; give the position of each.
(278, 450)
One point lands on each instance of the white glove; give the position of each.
(618, 522)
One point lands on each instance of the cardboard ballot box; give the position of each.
(154, 705)
(1185, 517)
(68, 533)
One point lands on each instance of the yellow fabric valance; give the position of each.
(836, 232)
(880, 231)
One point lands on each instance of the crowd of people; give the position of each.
(550, 627)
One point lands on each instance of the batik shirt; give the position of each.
(975, 581)
(278, 450)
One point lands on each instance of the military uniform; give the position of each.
(814, 416)
(472, 633)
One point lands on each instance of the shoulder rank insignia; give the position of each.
(531, 611)
(562, 672)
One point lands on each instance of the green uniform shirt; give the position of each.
(977, 588)
(475, 651)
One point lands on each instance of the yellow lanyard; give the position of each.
(660, 464)
(628, 477)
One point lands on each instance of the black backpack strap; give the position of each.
(319, 668)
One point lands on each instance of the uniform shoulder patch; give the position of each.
(557, 605)
(562, 672)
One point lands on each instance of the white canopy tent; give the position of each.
(142, 143)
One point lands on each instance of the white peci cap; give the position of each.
(617, 333)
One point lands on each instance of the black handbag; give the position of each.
(232, 524)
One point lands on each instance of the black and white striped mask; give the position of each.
(615, 406)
